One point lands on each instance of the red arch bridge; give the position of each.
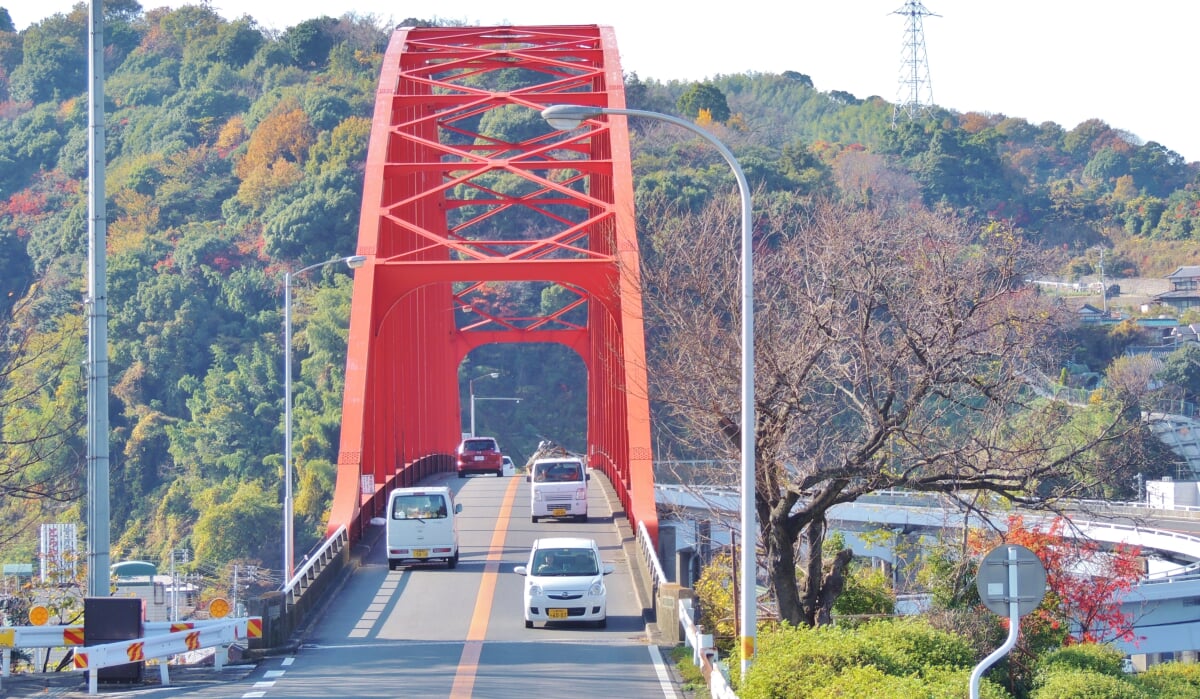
(450, 207)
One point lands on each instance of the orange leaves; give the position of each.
(275, 154)
(26, 203)
(1086, 580)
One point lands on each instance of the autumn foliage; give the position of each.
(1085, 581)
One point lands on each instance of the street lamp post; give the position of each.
(568, 116)
(353, 262)
(471, 391)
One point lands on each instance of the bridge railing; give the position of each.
(704, 653)
(284, 611)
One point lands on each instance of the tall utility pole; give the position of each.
(98, 563)
(916, 89)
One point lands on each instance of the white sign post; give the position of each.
(1012, 581)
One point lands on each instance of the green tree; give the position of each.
(704, 97)
(1181, 369)
(238, 520)
(55, 60)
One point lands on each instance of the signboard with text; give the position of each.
(58, 551)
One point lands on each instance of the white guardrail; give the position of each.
(314, 563)
(704, 653)
(163, 639)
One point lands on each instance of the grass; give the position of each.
(691, 679)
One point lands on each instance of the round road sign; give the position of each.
(218, 608)
(993, 580)
(39, 615)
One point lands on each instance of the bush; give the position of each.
(910, 646)
(903, 658)
(873, 683)
(1102, 659)
(1171, 680)
(1067, 683)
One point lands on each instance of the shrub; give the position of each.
(1171, 680)
(1067, 683)
(873, 683)
(1094, 657)
(902, 658)
(910, 646)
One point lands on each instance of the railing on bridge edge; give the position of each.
(284, 611)
(704, 653)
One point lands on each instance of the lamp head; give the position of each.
(565, 117)
(355, 261)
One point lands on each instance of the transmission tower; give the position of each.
(916, 90)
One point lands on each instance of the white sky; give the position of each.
(1132, 65)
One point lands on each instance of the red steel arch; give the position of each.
(452, 161)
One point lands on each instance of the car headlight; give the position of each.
(535, 590)
(597, 589)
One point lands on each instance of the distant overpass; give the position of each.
(1165, 606)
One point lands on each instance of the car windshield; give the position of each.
(565, 562)
(558, 473)
(479, 445)
(419, 507)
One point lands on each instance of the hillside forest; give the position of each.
(235, 154)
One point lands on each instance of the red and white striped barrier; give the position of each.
(163, 639)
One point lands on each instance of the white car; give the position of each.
(564, 581)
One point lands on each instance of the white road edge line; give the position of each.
(660, 668)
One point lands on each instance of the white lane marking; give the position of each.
(265, 684)
(253, 695)
(660, 668)
(288, 661)
(269, 674)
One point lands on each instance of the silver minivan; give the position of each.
(422, 526)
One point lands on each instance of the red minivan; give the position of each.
(479, 455)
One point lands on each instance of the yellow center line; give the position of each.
(468, 664)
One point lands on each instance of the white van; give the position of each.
(422, 526)
(558, 488)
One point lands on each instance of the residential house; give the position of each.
(1185, 289)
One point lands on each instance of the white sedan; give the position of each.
(564, 581)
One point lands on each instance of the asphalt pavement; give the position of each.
(70, 685)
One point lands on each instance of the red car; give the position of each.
(478, 455)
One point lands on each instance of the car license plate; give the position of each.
(477, 458)
(420, 553)
(559, 512)
(556, 613)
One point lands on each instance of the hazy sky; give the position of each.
(1133, 65)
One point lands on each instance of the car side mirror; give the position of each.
(608, 568)
(587, 476)
(521, 570)
(528, 478)
(458, 508)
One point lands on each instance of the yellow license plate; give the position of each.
(556, 613)
(420, 553)
(559, 512)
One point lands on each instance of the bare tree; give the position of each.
(893, 350)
